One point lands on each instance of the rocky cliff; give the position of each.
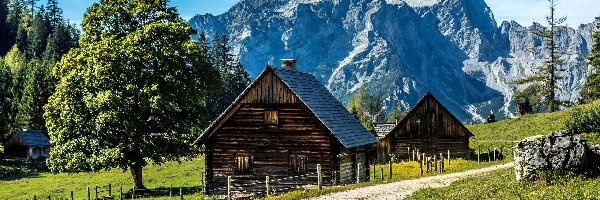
(400, 49)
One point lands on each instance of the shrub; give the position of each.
(584, 120)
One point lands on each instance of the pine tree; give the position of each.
(37, 87)
(547, 75)
(5, 40)
(591, 88)
(38, 35)
(233, 75)
(54, 14)
(5, 100)
(367, 108)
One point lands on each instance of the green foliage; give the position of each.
(501, 184)
(185, 174)
(395, 113)
(591, 88)
(584, 120)
(133, 91)
(547, 75)
(233, 75)
(5, 99)
(367, 108)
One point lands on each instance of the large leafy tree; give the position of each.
(547, 75)
(132, 93)
(591, 88)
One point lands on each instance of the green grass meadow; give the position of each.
(185, 175)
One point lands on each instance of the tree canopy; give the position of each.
(591, 88)
(546, 76)
(131, 93)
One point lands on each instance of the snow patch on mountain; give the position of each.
(401, 49)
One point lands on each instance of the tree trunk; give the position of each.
(136, 172)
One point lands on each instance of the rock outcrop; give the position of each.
(559, 150)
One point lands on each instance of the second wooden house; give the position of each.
(282, 126)
(429, 128)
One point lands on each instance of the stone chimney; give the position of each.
(289, 63)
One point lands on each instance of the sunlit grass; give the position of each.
(186, 174)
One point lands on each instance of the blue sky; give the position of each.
(524, 12)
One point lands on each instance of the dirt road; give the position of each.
(401, 189)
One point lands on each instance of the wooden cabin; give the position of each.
(27, 144)
(429, 128)
(283, 125)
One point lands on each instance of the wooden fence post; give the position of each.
(421, 167)
(121, 192)
(382, 173)
(418, 155)
(408, 153)
(358, 172)
(435, 164)
(478, 153)
(34, 197)
(319, 177)
(133, 192)
(391, 162)
(96, 189)
(267, 183)
(88, 190)
(72, 196)
(374, 170)
(494, 154)
(171, 191)
(229, 187)
(180, 194)
(203, 183)
(109, 190)
(448, 156)
(489, 155)
(413, 156)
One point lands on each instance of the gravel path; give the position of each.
(401, 189)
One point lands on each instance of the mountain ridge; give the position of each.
(399, 49)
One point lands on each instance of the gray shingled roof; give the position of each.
(326, 107)
(34, 138)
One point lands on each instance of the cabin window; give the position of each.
(271, 118)
(298, 164)
(243, 164)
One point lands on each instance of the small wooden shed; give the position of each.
(27, 144)
(283, 125)
(429, 128)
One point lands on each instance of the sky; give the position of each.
(525, 12)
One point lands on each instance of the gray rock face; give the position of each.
(559, 150)
(401, 49)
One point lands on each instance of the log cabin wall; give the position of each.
(271, 147)
(432, 129)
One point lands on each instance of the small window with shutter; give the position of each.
(271, 118)
(298, 164)
(243, 163)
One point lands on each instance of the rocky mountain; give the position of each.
(400, 49)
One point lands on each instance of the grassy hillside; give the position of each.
(502, 184)
(504, 134)
(185, 175)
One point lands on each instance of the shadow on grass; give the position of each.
(14, 169)
(163, 192)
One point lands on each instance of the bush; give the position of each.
(584, 120)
